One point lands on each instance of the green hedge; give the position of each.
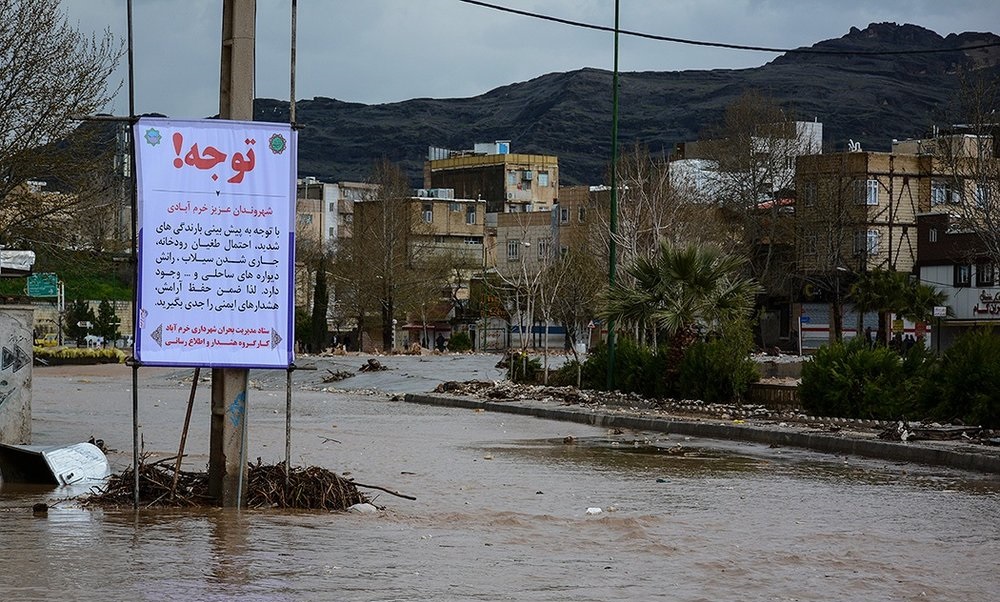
(80, 355)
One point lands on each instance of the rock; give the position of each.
(363, 508)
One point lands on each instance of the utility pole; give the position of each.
(227, 464)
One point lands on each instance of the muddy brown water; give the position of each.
(500, 511)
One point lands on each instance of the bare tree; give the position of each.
(969, 159)
(394, 264)
(580, 281)
(754, 149)
(654, 204)
(50, 74)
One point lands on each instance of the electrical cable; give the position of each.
(659, 38)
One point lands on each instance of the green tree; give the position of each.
(318, 334)
(79, 312)
(107, 322)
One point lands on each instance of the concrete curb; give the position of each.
(931, 453)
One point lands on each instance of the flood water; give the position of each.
(501, 512)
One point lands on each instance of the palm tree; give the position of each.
(888, 292)
(680, 290)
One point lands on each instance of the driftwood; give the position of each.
(308, 488)
(337, 376)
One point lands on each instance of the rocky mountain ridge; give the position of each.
(871, 98)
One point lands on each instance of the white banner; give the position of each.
(216, 206)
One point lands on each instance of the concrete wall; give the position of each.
(16, 358)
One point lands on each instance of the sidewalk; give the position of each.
(953, 454)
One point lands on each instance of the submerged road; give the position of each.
(501, 509)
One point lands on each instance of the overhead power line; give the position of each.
(650, 36)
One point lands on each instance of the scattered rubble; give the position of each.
(738, 413)
(373, 365)
(337, 376)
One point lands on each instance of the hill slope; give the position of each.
(870, 99)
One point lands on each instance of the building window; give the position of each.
(986, 274)
(473, 240)
(582, 214)
(932, 235)
(333, 206)
(564, 215)
(810, 245)
(871, 192)
(513, 249)
(511, 178)
(438, 239)
(306, 218)
(453, 206)
(866, 242)
(349, 218)
(809, 193)
(983, 195)
(942, 191)
(470, 215)
(963, 275)
(428, 212)
(332, 232)
(563, 251)
(543, 178)
(544, 246)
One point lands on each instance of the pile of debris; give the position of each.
(307, 488)
(933, 431)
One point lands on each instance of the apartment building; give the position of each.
(508, 182)
(856, 211)
(325, 211)
(453, 227)
(954, 260)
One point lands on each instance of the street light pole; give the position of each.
(613, 245)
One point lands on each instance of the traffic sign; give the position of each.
(43, 285)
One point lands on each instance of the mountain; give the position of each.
(867, 98)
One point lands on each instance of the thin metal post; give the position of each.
(613, 245)
(135, 263)
(184, 432)
(291, 95)
(288, 427)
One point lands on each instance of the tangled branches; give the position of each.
(308, 488)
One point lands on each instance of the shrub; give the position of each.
(565, 375)
(637, 369)
(854, 380)
(965, 383)
(524, 369)
(460, 341)
(719, 370)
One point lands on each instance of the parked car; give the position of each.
(48, 340)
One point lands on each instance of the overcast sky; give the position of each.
(381, 51)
